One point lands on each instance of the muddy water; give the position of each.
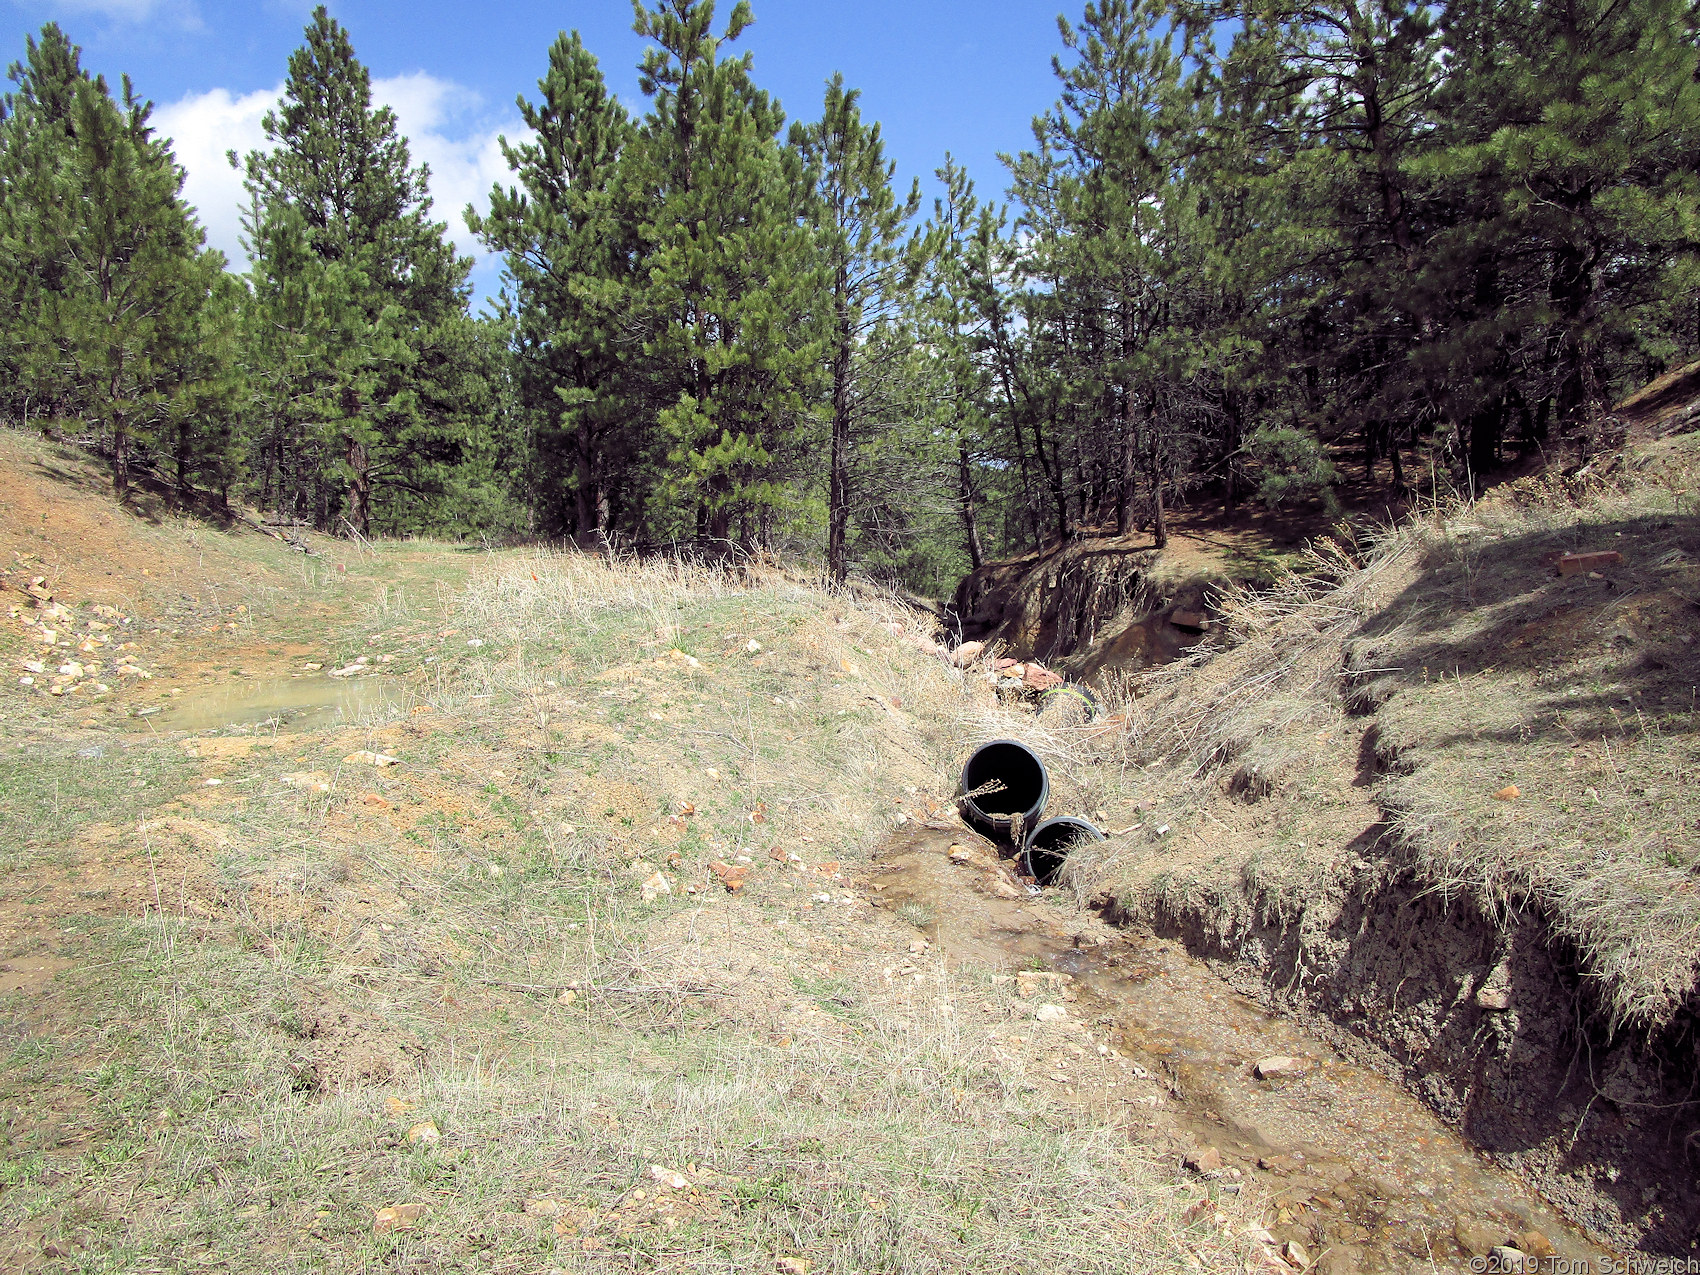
(1353, 1167)
(297, 702)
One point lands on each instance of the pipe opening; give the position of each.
(1022, 789)
(1047, 847)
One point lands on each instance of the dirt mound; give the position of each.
(1663, 407)
(58, 522)
(1433, 795)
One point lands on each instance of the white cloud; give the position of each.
(446, 130)
(203, 127)
(442, 121)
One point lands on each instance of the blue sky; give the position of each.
(960, 75)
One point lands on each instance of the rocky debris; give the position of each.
(971, 856)
(1030, 983)
(655, 885)
(1294, 1254)
(1536, 1245)
(311, 780)
(1195, 621)
(1050, 1013)
(366, 757)
(1493, 998)
(669, 1178)
(1476, 1238)
(1575, 563)
(730, 875)
(397, 1217)
(792, 1266)
(1502, 1257)
(1508, 793)
(1204, 1160)
(1279, 1066)
(424, 1134)
(966, 654)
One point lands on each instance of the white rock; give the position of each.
(1050, 1013)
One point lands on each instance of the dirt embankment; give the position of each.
(1438, 799)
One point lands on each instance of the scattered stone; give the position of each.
(669, 1178)
(1536, 1244)
(753, 647)
(1575, 563)
(313, 668)
(1050, 1013)
(1493, 998)
(1502, 1257)
(1294, 1252)
(729, 875)
(397, 1217)
(424, 1134)
(1204, 1160)
(655, 885)
(1475, 1238)
(793, 1266)
(1508, 793)
(1193, 620)
(399, 1106)
(967, 653)
(568, 997)
(347, 671)
(918, 946)
(372, 799)
(369, 758)
(312, 780)
(1279, 1065)
(970, 855)
(544, 1206)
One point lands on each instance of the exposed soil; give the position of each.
(1357, 1170)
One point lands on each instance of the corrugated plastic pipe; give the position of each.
(1048, 845)
(1022, 787)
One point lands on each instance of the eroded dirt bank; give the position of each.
(1493, 1027)
(1352, 1169)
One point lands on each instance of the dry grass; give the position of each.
(1435, 668)
(266, 984)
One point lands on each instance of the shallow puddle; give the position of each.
(297, 702)
(1355, 1169)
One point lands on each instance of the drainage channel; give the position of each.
(1355, 1169)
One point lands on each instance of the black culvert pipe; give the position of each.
(1025, 787)
(1048, 846)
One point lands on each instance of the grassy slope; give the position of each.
(1420, 684)
(230, 1003)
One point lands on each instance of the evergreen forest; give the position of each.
(1247, 247)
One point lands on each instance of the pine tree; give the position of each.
(729, 307)
(863, 244)
(1570, 134)
(569, 239)
(109, 276)
(353, 274)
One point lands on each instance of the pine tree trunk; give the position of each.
(838, 496)
(359, 486)
(1159, 520)
(184, 490)
(590, 501)
(120, 459)
(1130, 467)
(965, 500)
